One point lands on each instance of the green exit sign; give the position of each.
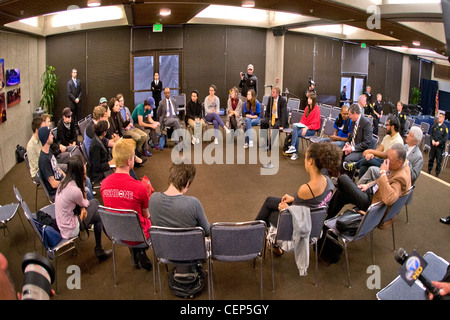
(157, 27)
(363, 45)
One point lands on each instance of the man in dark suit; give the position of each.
(167, 112)
(74, 92)
(275, 116)
(360, 135)
(156, 91)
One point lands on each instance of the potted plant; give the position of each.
(415, 96)
(49, 80)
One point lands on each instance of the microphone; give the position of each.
(412, 269)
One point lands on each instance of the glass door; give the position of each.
(168, 65)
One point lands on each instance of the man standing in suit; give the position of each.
(156, 91)
(74, 92)
(275, 116)
(360, 135)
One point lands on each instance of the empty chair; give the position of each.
(122, 227)
(325, 111)
(425, 126)
(64, 246)
(335, 113)
(181, 102)
(82, 125)
(426, 143)
(293, 104)
(284, 232)
(395, 209)
(328, 130)
(234, 242)
(398, 289)
(446, 156)
(370, 221)
(178, 246)
(7, 212)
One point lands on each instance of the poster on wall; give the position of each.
(12, 77)
(2, 107)
(2, 73)
(14, 97)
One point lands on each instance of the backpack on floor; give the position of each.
(187, 281)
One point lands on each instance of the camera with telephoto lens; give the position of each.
(39, 275)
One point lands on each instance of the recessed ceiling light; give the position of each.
(94, 3)
(416, 43)
(248, 3)
(165, 12)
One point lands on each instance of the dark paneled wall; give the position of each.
(385, 75)
(312, 56)
(216, 55)
(102, 58)
(298, 64)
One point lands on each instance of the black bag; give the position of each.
(20, 153)
(46, 219)
(348, 222)
(187, 281)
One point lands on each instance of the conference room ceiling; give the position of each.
(399, 24)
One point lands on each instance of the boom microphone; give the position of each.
(412, 269)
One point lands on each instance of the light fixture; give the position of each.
(165, 12)
(94, 3)
(248, 3)
(416, 43)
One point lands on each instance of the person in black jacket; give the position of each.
(99, 160)
(439, 135)
(194, 117)
(248, 81)
(156, 91)
(66, 132)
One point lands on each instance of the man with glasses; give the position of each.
(375, 157)
(394, 181)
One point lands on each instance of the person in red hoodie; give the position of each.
(307, 126)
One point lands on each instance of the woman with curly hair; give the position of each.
(316, 192)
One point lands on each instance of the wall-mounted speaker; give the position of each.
(280, 31)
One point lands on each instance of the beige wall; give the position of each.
(274, 61)
(26, 53)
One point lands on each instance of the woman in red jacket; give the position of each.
(307, 126)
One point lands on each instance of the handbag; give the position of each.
(348, 222)
(50, 237)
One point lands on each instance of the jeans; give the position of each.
(216, 121)
(249, 123)
(297, 134)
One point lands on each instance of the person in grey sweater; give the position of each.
(172, 208)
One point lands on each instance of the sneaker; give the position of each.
(291, 150)
(294, 156)
(349, 166)
(246, 145)
(147, 153)
(216, 141)
(250, 144)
